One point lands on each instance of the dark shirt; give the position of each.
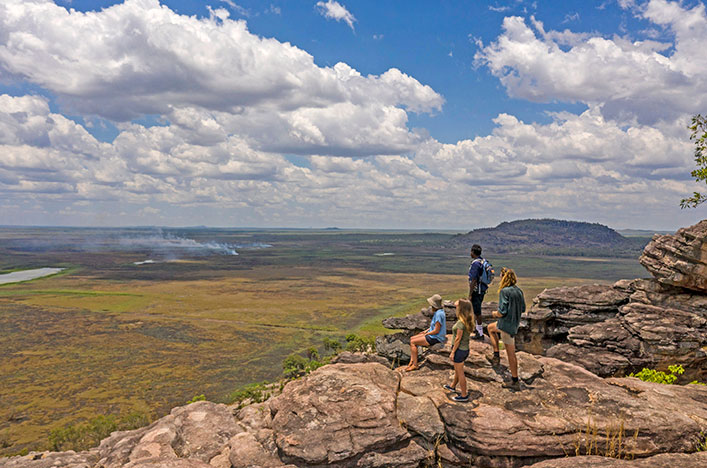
(475, 270)
(511, 304)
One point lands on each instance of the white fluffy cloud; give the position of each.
(336, 11)
(639, 80)
(140, 57)
(252, 132)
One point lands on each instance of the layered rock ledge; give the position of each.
(368, 415)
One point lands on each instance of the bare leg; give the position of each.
(459, 376)
(415, 341)
(493, 334)
(512, 360)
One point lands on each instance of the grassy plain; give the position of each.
(110, 337)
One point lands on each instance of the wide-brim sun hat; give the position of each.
(435, 301)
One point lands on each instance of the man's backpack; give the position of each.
(487, 273)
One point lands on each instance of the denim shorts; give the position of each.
(460, 355)
(431, 340)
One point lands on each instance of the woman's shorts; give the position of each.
(432, 341)
(460, 355)
(507, 339)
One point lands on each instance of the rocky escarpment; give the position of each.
(679, 259)
(617, 329)
(368, 415)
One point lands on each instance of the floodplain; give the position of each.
(145, 319)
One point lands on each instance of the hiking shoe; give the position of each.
(450, 388)
(460, 398)
(477, 337)
(512, 385)
(495, 360)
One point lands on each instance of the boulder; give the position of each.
(640, 336)
(347, 357)
(665, 460)
(679, 259)
(336, 414)
(68, 459)
(198, 431)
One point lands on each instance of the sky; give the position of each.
(354, 114)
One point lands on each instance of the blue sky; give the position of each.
(355, 114)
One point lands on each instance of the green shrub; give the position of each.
(201, 397)
(332, 345)
(312, 353)
(295, 366)
(652, 375)
(695, 382)
(85, 435)
(255, 392)
(356, 343)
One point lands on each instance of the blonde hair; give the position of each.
(464, 314)
(508, 278)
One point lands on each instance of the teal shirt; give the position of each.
(511, 304)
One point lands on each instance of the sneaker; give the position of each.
(512, 385)
(450, 388)
(460, 398)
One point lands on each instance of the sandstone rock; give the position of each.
(651, 292)
(556, 310)
(198, 431)
(68, 459)
(337, 413)
(411, 455)
(347, 357)
(679, 259)
(168, 463)
(641, 336)
(665, 460)
(419, 415)
(505, 428)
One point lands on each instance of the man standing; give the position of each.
(477, 289)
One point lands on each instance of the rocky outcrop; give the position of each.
(679, 259)
(618, 329)
(367, 415)
(672, 460)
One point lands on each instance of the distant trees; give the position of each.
(698, 129)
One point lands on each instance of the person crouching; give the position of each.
(436, 334)
(460, 348)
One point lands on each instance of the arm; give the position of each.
(502, 305)
(438, 326)
(457, 342)
(472, 286)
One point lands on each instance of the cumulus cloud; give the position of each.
(235, 108)
(336, 11)
(630, 79)
(140, 57)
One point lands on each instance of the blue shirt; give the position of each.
(475, 270)
(441, 318)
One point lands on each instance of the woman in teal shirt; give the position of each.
(511, 304)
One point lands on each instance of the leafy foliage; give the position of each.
(356, 343)
(652, 375)
(201, 397)
(332, 345)
(86, 435)
(252, 393)
(698, 134)
(295, 366)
